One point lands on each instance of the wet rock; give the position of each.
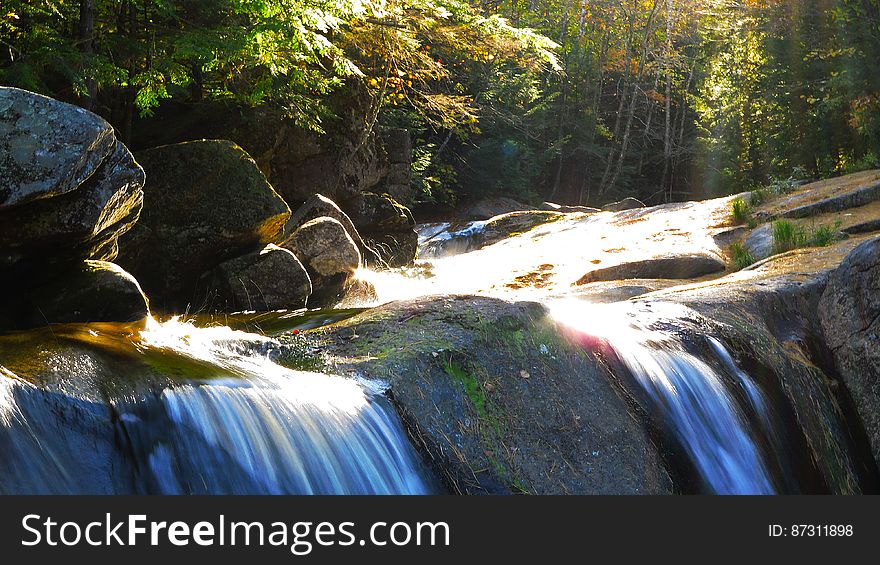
(684, 266)
(96, 291)
(329, 255)
(271, 279)
(56, 443)
(617, 291)
(204, 202)
(491, 207)
(498, 400)
(47, 148)
(628, 203)
(849, 311)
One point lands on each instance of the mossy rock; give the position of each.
(497, 398)
(204, 202)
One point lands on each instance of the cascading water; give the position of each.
(242, 425)
(260, 428)
(685, 395)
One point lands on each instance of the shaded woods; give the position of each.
(576, 101)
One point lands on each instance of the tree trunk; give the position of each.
(86, 39)
(632, 105)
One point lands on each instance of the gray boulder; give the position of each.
(498, 400)
(760, 242)
(849, 312)
(47, 147)
(205, 202)
(68, 188)
(271, 279)
(96, 291)
(318, 206)
(329, 255)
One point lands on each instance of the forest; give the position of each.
(573, 101)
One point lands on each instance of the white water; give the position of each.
(259, 428)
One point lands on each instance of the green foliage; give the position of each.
(740, 211)
(741, 256)
(758, 196)
(788, 235)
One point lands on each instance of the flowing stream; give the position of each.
(242, 423)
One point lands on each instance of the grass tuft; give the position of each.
(741, 256)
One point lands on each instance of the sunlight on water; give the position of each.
(687, 394)
(545, 262)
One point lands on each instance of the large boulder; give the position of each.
(47, 147)
(271, 279)
(386, 226)
(329, 255)
(96, 291)
(68, 189)
(318, 206)
(347, 158)
(849, 311)
(497, 399)
(205, 202)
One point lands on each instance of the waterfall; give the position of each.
(686, 396)
(241, 424)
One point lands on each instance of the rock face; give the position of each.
(850, 315)
(684, 266)
(47, 148)
(498, 400)
(328, 253)
(68, 189)
(58, 443)
(299, 163)
(386, 226)
(205, 202)
(398, 182)
(97, 291)
(271, 279)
